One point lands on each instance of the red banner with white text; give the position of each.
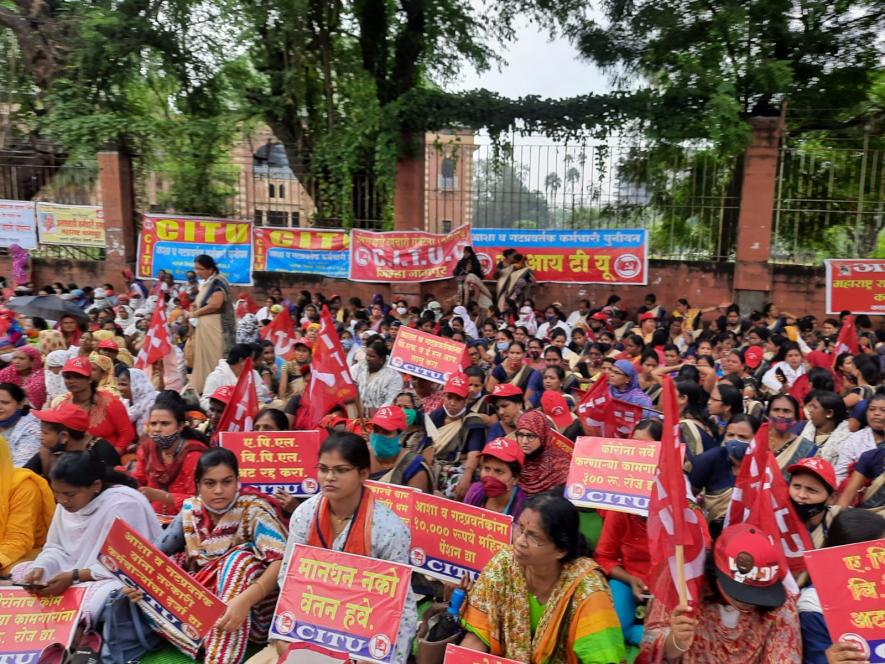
(856, 285)
(405, 255)
(29, 623)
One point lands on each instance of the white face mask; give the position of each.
(402, 311)
(458, 414)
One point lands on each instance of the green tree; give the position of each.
(502, 198)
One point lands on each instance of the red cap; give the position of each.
(108, 344)
(556, 408)
(821, 468)
(457, 384)
(66, 414)
(749, 566)
(648, 315)
(302, 341)
(389, 418)
(78, 365)
(223, 394)
(753, 356)
(506, 390)
(504, 449)
(599, 316)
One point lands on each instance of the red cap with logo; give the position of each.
(223, 394)
(506, 390)
(749, 566)
(753, 356)
(504, 449)
(648, 315)
(66, 414)
(389, 418)
(599, 316)
(78, 365)
(556, 408)
(108, 344)
(457, 384)
(821, 468)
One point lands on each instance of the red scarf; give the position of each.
(161, 474)
(359, 535)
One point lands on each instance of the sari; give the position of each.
(578, 623)
(214, 333)
(34, 384)
(108, 382)
(512, 283)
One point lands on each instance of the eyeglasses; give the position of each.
(526, 435)
(714, 399)
(530, 538)
(334, 471)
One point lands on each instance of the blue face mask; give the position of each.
(502, 345)
(347, 344)
(384, 447)
(737, 449)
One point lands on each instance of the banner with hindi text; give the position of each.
(425, 355)
(18, 224)
(169, 242)
(301, 250)
(172, 597)
(856, 285)
(75, 225)
(408, 256)
(451, 539)
(613, 256)
(274, 461)
(612, 474)
(28, 623)
(396, 497)
(343, 602)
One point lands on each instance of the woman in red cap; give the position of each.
(515, 372)
(26, 371)
(391, 462)
(812, 493)
(498, 487)
(108, 418)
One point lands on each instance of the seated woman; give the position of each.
(271, 419)
(391, 462)
(26, 371)
(90, 497)
(138, 395)
(63, 429)
(26, 509)
(787, 447)
(346, 517)
(740, 619)
(498, 490)
(697, 431)
(18, 426)
(543, 599)
(812, 492)
(103, 374)
(827, 423)
(167, 460)
(233, 544)
(725, 402)
(869, 472)
(546, 465)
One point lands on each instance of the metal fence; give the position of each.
(830, 203)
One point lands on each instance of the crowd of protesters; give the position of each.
(89, 437)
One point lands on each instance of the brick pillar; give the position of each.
(752, 271)
(118, 204)
(408, 204)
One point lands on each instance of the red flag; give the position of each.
(846, 342)
(330, 381)
(242, 408)
(761, 498)
(621, 419)
(672, 522)
(281, 332)
(245, 305)
(156, 342)
(593, 408)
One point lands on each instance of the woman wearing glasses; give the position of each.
(346, 517)
(546, 465)
(543, 599)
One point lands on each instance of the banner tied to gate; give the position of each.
(856, 285)
(405, 255)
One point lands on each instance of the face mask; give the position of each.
(550, 319)
(806, 512)
(737, 449)
(12, 419)
(347, 344)
(458, 414)
(782, 424)
(402, 311)
(411, 416)
(165, 442)
(384, 447)
(493, 487)
(502, 346)
(534, 354)
(223, 510)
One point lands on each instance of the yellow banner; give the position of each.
(74, 225)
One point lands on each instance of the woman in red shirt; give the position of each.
(166, 469)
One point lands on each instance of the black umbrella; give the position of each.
(50, 307)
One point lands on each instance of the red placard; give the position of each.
(451, 539)
(563, 443)
(850, 583)
(397, 498)
(613, 473)
(171, 596)
(425, 355)
(856, 285)
(458, 655)
(277, 460)
(28, 623)
(343, 602)
(405, 255)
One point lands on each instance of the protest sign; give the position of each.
(397, 498)
(856, 285)
(617, 256)
(76, 225)
(301, 250)
(405, 255)
(425, 355)
(171, 596)
(18, 224)
(276, 460)
(342, 601)
(451, 539)
(171, 243)
(458, 655)
(28, 624)
(612, 474)
(850, 583)
(560, 441)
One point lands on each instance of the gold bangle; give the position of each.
(676, 645)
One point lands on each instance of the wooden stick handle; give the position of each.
(681, 585)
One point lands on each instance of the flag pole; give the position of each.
(681, 585)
